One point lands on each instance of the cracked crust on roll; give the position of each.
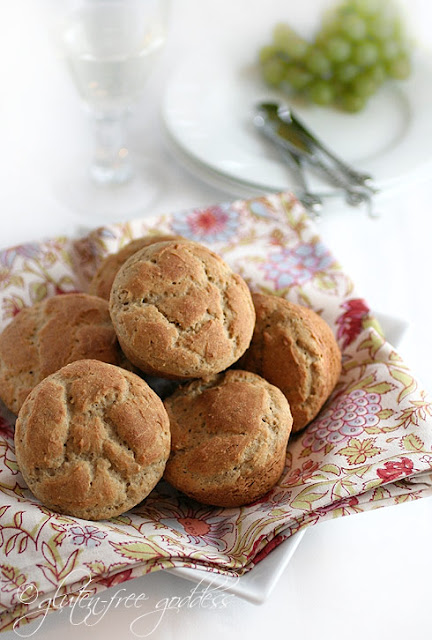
(228, 438)
(45, 337)
(294, 348)
(180, 312)
(92, 440)
(103, 279)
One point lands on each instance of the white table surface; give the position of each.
(365, 574)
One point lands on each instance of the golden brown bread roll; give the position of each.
(101, 282)
(228, 438)
(92, 440)
(43, 338)
(180, 312)
(294, 348)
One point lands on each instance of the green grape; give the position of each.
(330, 26)
(346, 72)
(364, 85)
(360, 44)
(381, 27)
(288, 41)
(378, 74)
(337, 49)
(400, 67)
(353, 27)
(367, 7)
(390, 49)
(352, 102)
(365, 54)
(321, 93)
(273, 71)
(297, 77)
(399, 32)
(267, 53)
(316, 62)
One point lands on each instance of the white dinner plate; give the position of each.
(207, 111)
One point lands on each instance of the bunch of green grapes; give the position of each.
(361, 43)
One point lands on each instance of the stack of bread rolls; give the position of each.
(93, 439)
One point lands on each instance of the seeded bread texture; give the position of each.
(104, 277)
(92, 440)
(228, 438)
(45, 337)
(180, 312)
(294, 349)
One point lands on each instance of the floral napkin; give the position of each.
(370, 446)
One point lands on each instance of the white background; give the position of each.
(363, 575)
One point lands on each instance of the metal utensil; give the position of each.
(310, 200)
(363, 179)
(289, 138)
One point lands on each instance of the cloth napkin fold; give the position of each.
(370, 446)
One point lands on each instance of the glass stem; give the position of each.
(111, 161)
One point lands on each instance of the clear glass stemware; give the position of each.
(110, 48)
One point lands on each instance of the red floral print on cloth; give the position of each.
(345, 504)
(12, 306)
(213, 224)
(117, 578)
(201, 526)
(343, 507)
(395, 469)
(351, 322)
(307, 470)
(195, 526)
(269, 547)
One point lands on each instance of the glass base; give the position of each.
(109, 202)
(105, 175)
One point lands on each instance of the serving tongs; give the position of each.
(311, 201)
(279, 124)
